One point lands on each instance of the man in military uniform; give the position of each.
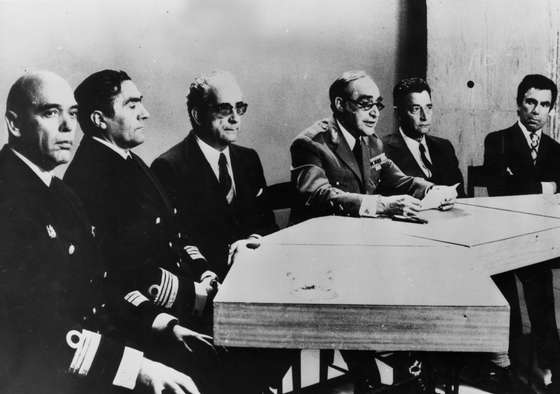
(339, 167)
(47, 258)
(149, 257)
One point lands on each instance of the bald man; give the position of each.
(47, 257)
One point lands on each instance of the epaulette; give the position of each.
(319, 127)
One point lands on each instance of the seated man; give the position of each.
(47, 254)
(339, 167)
(523, 160)
(412, 148)
(160, 273)
(216, 185)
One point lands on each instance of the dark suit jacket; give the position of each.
(444, 161)
(509, 166)
(328, 177)
(137, 233)
(47, 258)
(203, 210)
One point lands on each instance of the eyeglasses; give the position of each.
(224, 110)
(365, 104)
(415, 109)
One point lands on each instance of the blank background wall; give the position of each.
(284, 53)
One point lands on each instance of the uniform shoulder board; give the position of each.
(322, 126)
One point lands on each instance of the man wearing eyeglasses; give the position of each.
(216, 185)
(412, 148)
(339, 167)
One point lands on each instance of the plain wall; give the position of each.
(285, 55)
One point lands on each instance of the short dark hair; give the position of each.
(97, 93)
(338, 87)
(409, 85)
(536, 81)
(199, 90)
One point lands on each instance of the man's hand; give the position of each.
(155, 377)
(184, 334)
(253, 242)
(398, 205)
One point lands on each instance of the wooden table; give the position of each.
(348, 283)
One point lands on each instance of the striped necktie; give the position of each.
(535, 139)
(225, 178)
(425, 160)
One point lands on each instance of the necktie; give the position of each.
(357, 151)
(534, 146)
(224, 178)
(425, 160)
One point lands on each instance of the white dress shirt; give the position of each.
(547, 187)
(414, 148)
(212, 156)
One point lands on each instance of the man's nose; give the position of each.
(374, 111)
(67, 122)
(144, 114)
(234, 117)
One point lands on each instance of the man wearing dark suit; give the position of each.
(339, 167)
(523, 160)
(149, 256)
(48, 260)
(412, 148)
(216, 185)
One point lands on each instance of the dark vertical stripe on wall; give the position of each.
(412, 41)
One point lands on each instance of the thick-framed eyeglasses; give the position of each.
(365, 104)
(224, 110)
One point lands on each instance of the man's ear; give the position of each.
(98, 119)
(339, 104)
(13, 123)
(196, 115)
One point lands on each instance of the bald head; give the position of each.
(41, 118)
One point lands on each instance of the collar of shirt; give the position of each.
(45, 176)
(212, 156)
(527, 133)
(414, 148)
(125, 154)
(350, 139)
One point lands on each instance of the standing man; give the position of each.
(412, 148)
(523, 160)
(216, 185)
(47, 258)
(339, 167)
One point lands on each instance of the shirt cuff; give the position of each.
(128, 370)
(368, 207)
(208, 274)
(162, 321)
(548, 187)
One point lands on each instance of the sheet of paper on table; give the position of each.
(435, 196)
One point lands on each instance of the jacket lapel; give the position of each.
(198, 163)
(340, 147)
(519, 144)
